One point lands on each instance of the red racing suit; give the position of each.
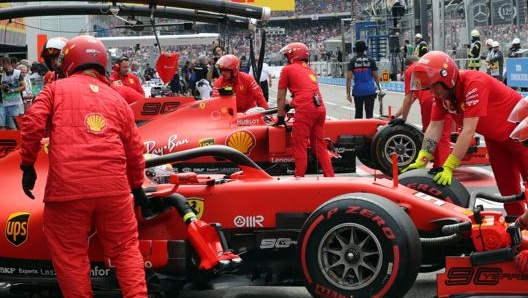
(130, 80)
(129, 94)
(480, 95)
(247, 91)
(425, 98)
(310, 118)
(95, 158)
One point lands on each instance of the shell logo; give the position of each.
(94, 88)
(95, 123)
(242, 141)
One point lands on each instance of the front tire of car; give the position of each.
(359, 245)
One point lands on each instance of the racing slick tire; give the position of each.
(404, 139)
(456, 193)
(422, 181)
(359, 245)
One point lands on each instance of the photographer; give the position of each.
(12, 85)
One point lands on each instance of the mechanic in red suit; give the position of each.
(50, 53)
(121, 76)
(425, 98)
(520, 115)
(310, 112)
(247, 90)
(480, 104)
(95, 158)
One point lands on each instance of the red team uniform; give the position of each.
(310, 111)
(480, 95)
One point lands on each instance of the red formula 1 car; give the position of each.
(215, 121)
(349, 236)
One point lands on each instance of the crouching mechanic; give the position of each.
(310, 111)
(247, 90)
(91, 128)
(480, 104)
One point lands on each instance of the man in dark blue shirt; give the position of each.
(364, 71)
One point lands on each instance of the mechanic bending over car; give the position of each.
(480, 104)
(310, 111)
(247, 90)
(92, 128)
(519, 115)
(425, 98)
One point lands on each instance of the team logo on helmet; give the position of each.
(95, 123)
(16, 229)
(197, 205)
(242, 141)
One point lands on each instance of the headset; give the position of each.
(117, 66)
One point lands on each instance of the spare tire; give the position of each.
(403, 139)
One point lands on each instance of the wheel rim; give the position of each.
(350, 256)
(404, 147)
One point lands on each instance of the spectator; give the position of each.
(247, 91)
(200, 70)
(121, 76)
(27, 94)
(364, 71)
(244, 64)
(149, 73)
(480, 105)
(91, 127)
(474, 51)
(214, 73)
(489, 45)
(134, 69)
(310, 111)
(187, 73)
(37, 77)
(421, 47)
(265, 81)
(12, 86)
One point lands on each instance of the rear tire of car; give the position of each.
(359, 245)
(404, 139)
(456, 193)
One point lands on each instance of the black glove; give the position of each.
(29, 177)
(280, 121)
(396, 121)
(140, 198)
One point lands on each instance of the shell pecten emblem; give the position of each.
(241, 140)
(95, 123)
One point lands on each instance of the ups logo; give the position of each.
(206, 142)
(16, 230)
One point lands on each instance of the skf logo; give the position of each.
(197, 206)
(242, 141)
(16, 230)
(95, 123)
(206, 142)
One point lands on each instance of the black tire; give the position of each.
(364, 155)
(456, 193)
(422, 181)
(404, 139)
(373, 237)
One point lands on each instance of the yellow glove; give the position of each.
(421, 161)
(445, 177)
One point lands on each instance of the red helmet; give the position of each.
(295, 51)
(520, 111)
(83, 52)
(229, 62)
(434, 67)
(52, 48)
